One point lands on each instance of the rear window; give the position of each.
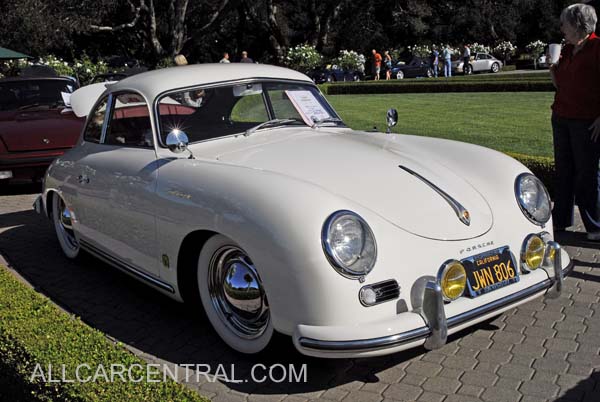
(21, 95)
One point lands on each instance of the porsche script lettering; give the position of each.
(477, 247)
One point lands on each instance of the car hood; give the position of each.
(401, 182)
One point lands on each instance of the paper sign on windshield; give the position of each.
(308, 106)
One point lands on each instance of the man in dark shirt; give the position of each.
(245, 58)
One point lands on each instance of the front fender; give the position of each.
(277, 220)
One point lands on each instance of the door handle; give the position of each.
(83, 179)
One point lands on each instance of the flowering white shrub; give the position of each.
(479, 48)
(350, 60)
(420, 50)
(504, 50)
(535, 48)
(303, 58)
(85, 69)
(57, 64)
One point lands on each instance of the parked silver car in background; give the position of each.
(480, 62)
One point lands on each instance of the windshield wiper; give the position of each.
(269, 123)
(319, 122)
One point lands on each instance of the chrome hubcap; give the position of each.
(65, 224)
(236, 292)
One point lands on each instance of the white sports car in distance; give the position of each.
(239, 188)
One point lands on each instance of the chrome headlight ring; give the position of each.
(349, 244)
(536, 210)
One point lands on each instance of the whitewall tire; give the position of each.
(63, 226)
(233, 296)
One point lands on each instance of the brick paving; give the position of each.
(546, 350)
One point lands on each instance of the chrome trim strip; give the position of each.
(366, 344)
(460, 211)
(497, 304)
(125, 267)
(424, 332)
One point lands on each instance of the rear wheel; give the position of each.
(356, 77)
(63, 226)
(468, 69)
(233, 296)
(429, 73)
(400, 74)
(495, 68)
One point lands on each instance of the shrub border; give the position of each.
(439, 86)
(541, 166)
(35, 331)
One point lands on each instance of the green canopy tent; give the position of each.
(7, 54)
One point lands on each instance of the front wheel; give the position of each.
(62, 218)
(495, 68)
(233, 296)
(356, 77)
(468, 70)
(400, 75)
(429, 73)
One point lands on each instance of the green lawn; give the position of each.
(507, 121)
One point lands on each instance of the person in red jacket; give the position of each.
(576, 121)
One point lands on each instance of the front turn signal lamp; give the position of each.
(452, 278)
(532, 252)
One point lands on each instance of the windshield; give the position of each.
(15, 95)
(208, 113)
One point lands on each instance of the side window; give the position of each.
(93, 130)
(130, 122)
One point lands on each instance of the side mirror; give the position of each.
(392, 119)
(177, 141)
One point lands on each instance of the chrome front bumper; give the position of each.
(431, 308)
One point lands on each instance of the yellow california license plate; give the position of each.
(489, 271)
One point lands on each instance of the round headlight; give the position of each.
(533, 198)
(452, 278)
(532, 254)
(349, 244)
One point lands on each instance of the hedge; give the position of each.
(437, 86)
(541, 166)
(34, 331)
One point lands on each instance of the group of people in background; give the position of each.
(386, 62)
(180, 60)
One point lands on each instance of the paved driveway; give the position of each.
(540, 351)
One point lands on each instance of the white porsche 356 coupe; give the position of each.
(239, 187)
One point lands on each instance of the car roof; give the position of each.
(153, 83)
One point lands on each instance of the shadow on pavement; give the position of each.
(160, 328)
